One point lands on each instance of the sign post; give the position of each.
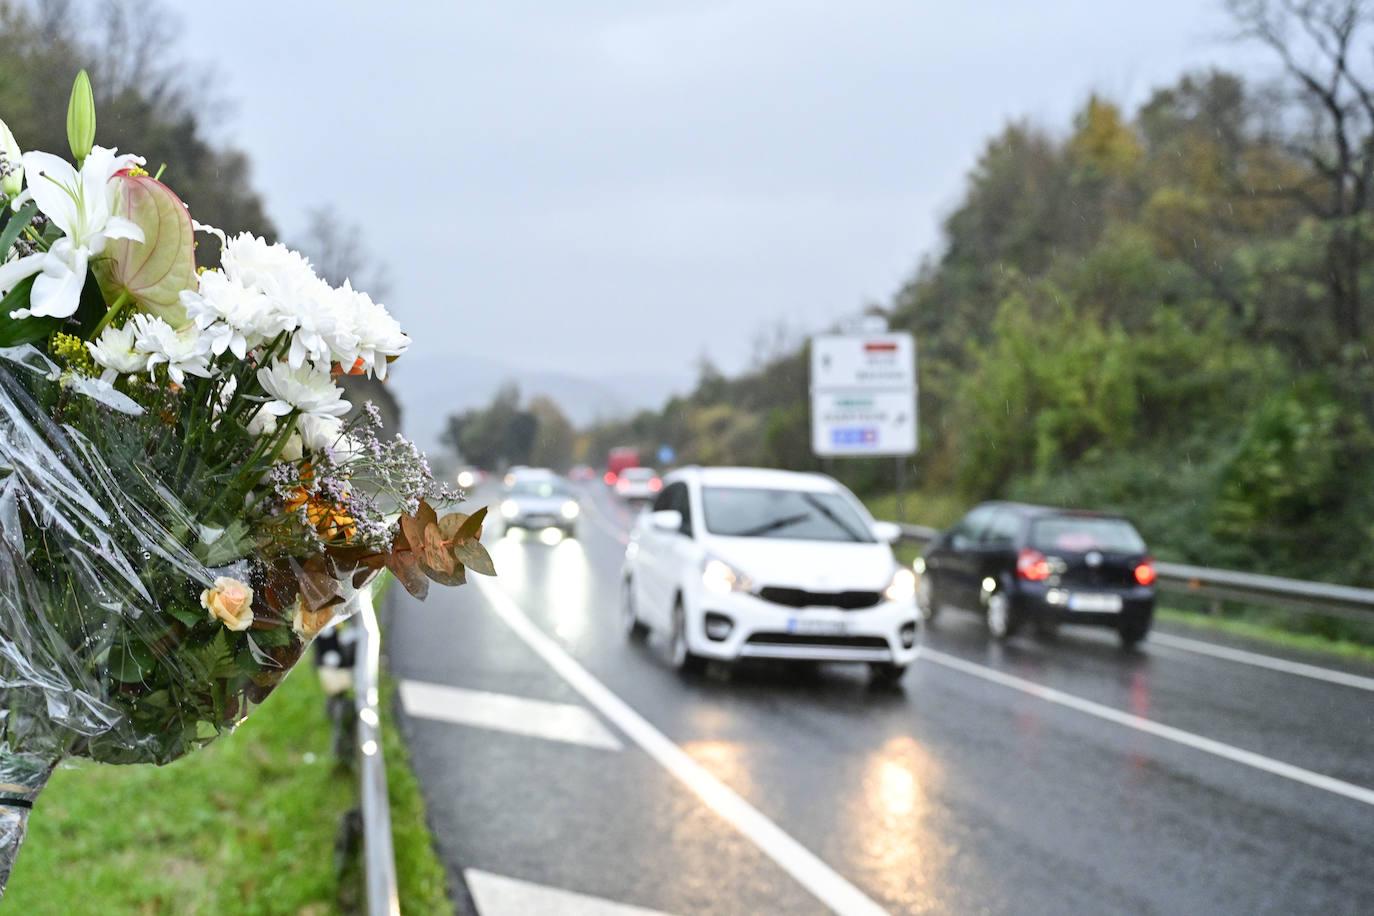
(863, 397)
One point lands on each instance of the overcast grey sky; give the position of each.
(621, 186)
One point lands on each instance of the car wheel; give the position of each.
(1000, 624)
(886, 674)
(1132, 634)
(926, 600)
(684, 659)
(635, 630)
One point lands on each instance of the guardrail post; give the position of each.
(379, 860)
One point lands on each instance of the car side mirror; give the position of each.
(666, 520)
(888, 532)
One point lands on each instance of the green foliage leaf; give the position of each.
(17, 331)
(16, 224)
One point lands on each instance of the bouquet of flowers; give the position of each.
(183, 501)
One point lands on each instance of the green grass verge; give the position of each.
(247, 826)
(419, 873)
(1277, 635)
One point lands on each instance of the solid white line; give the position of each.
(502, 712)
(1149, 726)
(496, 895)
(798, 861)
(1330, 675)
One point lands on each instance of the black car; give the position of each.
(1021, 564)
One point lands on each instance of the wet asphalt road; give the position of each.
(956, 794)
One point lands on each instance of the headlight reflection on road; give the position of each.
(901, 854)
(568, 581)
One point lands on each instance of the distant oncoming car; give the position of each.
(582, 473)
(1046, 566)
(469, 477)
(539, 501)
(638, 483)
(750, 563)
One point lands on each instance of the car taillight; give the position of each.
(609, 478)
(1032, 566)
(1145, 572)
(655, 484)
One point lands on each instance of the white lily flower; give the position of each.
(81, 204)
(11, 164)
(183, 351)
(305, 389)
(116, 352)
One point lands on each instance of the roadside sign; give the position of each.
(666, 455)
(863, 394)
(863, 422)
(885, 361)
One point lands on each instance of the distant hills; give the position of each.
(431, 387)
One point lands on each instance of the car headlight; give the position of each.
(902, 587)
(510, 509)
(918, 566)
(570, 510)
(721, 578)
(466, 479)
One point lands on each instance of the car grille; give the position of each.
(799, 639)
(800, 597)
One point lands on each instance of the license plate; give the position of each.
(1098, 604)
(804, 627)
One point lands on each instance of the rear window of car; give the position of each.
(637, 473)
(1079, 534)
(802, 515)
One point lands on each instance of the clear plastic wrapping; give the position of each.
(114, 643)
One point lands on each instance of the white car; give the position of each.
(638, 484)
(736, 563)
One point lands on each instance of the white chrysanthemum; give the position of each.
(230, 315)
(320, 333)
(115, 352)
(305, 389)
(262, 423)
(184, 352)
(320, 432)
(378, 336)
(280, 273)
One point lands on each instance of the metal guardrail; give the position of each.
(379, 859)
(1230, 585)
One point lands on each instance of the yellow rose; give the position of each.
(307, 623)
(230, 601)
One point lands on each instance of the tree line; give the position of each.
(1163, 311)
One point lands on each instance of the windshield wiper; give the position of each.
(834, 519)
(786, 521)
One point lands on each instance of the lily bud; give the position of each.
(81, 117)
(11, 166)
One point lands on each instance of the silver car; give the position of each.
(536, 502)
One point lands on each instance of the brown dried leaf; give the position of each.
(474, 556)
(436, 555)
(405, 566)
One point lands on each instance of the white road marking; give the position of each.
(1330, 675)
(603, 520)
(798, 861)
(502, 712)
(496, 895)
(1158, 729)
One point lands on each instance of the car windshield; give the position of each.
(539, 488)
(1081, 534)
(638, 473)
(792, 514)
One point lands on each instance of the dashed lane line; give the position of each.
(1316, 672)
(1150, 726)
(502, 712)
(827, 885)
(497, 895)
